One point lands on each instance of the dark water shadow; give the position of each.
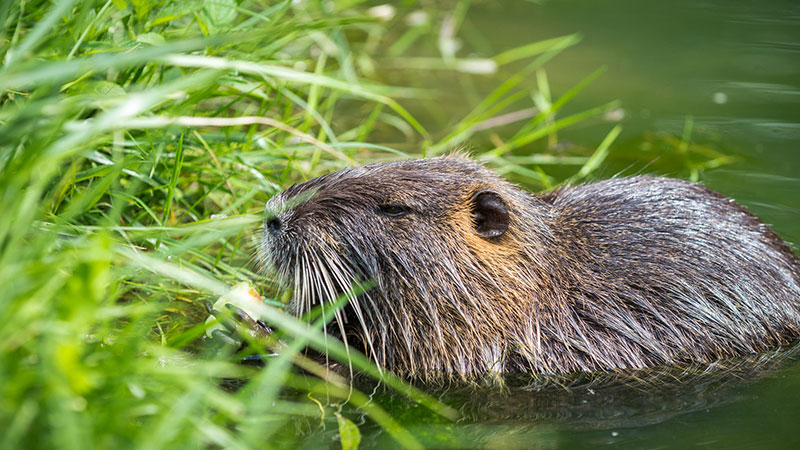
(582, 410)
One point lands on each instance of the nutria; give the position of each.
(469, 274)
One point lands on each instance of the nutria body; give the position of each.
(470, 274)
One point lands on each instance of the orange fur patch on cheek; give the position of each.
(492, 252)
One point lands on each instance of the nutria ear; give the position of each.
(489, 214)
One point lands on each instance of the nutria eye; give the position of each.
(393, 210)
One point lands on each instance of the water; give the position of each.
(752, 403)
(732, 70)
(733, 67)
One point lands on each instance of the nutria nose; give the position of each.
(274, 224)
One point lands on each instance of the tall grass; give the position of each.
(139, 142)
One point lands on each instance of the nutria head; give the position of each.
(468, 274)
(439, 240)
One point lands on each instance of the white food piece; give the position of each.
(241, 295)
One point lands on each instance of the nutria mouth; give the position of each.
(469, 274)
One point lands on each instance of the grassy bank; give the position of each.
(139, 142)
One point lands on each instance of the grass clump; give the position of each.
(139, 142)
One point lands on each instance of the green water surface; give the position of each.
(733, 68)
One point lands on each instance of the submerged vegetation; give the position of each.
(139, 142)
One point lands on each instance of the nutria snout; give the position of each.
(469, 274)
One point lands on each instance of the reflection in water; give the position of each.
(622, 399)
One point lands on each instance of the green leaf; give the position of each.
(151, 39)
(537, 48)
(104, 88)
(349, 435)
(222, 12)
(600, 154)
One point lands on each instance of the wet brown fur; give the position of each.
(621, 274)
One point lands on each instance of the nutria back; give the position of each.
(469, 274)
